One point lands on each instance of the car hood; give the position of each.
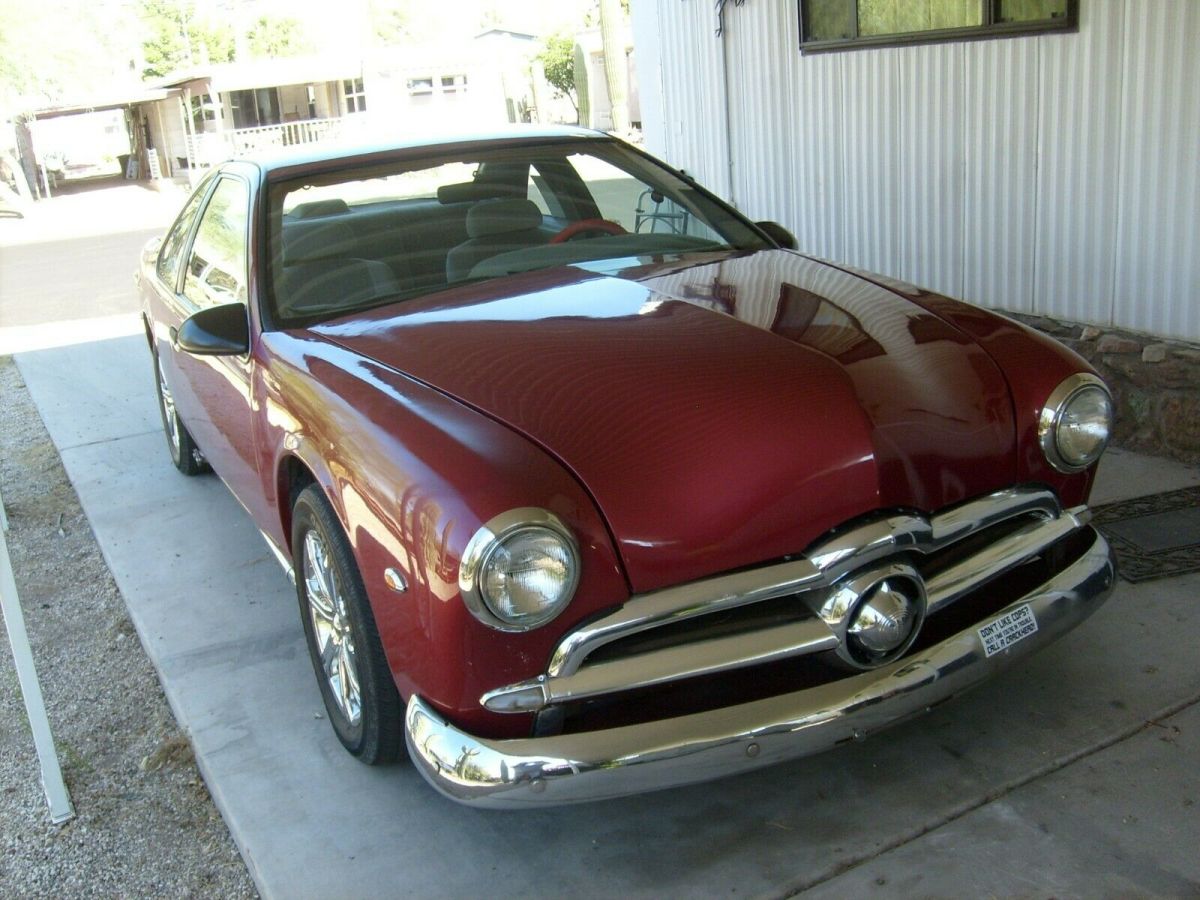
(721, 412)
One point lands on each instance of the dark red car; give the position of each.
(590, 485)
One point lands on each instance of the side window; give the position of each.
(172, 247)
(216, 270)
(634, 205)
(615, 191)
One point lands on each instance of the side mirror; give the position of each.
(217, 331)
(778, 234)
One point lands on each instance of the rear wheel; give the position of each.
(356, 684)
(184, 453)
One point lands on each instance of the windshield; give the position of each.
(360, 237)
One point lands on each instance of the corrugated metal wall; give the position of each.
(1057, 174)
(693, 86)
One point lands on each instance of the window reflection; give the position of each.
(216, 271)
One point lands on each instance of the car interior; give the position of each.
(364, 237)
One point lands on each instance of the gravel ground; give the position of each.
(145, 825)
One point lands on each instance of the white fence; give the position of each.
(209, 148)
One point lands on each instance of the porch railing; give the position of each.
(208, 149)
(287, 134)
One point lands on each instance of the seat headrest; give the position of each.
(317, 240)
(501, 217)
(465, 191)
(335, 206)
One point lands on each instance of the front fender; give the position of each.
(412, 474)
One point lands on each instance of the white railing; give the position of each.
(209, 148)
(287, 134)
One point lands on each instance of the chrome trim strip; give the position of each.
(677, 604)
(668, 664)
(994, 560)
(966, 519)
(868, 543)
(822, 566)
(280, 557)
(638, 758)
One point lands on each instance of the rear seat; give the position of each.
(412, 239)
(322, 269)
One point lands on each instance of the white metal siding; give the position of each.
(818, 214)
(1056, 174)
(693, 92)
(760, 134)
(1000, 163)
(1079, 102)
(1157, 268)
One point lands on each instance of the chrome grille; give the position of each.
(742, 619)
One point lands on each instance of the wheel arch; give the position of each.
(293, 474)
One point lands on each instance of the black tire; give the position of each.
(184, 453)
(343, 642)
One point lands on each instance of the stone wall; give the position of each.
(1155, 384)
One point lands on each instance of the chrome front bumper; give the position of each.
(638, 758)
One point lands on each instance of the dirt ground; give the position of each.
(145, 824)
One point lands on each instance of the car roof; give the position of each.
(322, 155)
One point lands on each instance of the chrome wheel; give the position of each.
(184, 453)
(170, 419)
(331, 628)
(357, 686)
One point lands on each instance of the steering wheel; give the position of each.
(584, 226)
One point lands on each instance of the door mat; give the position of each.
(1154, 537)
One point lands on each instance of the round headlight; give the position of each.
(1076, 423)
(520, 570)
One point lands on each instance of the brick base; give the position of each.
(1155, 384)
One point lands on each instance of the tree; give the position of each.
(176, 37)
(52, 50)
(558, 58)
(276, 37)
(402, 22)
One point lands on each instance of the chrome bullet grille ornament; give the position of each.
(885, 619)
(876, 614)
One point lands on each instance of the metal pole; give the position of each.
(61, 809)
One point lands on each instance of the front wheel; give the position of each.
(184, 453)
(356, 684)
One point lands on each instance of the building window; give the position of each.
(355, 95)
(841, 24)
(420, 85)
(454, 84)
(255, 108)
(204, 109)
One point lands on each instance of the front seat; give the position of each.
(495, 226)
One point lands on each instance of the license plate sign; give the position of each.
(1005, 631)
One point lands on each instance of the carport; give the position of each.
(148, 155)
(1080, 764)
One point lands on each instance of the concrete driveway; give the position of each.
(1072, 775)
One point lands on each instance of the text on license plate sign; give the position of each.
(1005, 631)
